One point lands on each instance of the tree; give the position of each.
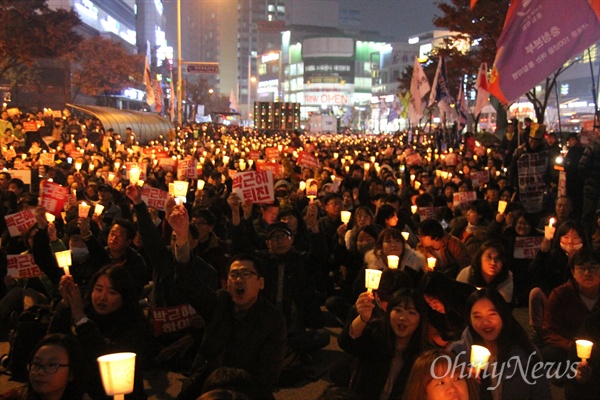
(30, 31)
(198, 91)
(104, 67)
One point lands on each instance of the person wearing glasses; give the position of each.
(569, 305)
(57, 370)
(243, 330)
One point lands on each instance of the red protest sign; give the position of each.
(275, 168)
(168, 164)
(30, 126)
(155, 198)
(463, 199)
(254, 186)
(187, 169)
(413, 159)
(272, 153)
(20, 222)
(450, 159)
(254, 155)
(53, 197)
(46, 159)
(308, 160)
(527, 247)
(172, 319)
(22, 266)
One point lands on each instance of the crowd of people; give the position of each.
(237, 294)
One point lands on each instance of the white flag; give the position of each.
(148, 82)
(171, 99)
(233, 105)
(419, 86)
(483, 95)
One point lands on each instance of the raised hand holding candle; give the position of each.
(201, 184)
(550, 229)
(393, 262)
(134, 175)
(63, 259)
(345, 215)
(372, 278)
(502, 206)
(50, 218)
(479, 357)
(302, 186)
(98, 209)
(584, 349)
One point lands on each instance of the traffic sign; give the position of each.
(203, 68)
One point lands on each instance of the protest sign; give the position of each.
(53, 197)
(20, 222)
(272, 153)
(254, 186)
(527, 247)
(479, 178)
(308, 160)
(172, 319)
(187, 169)
(22, 266)
(463, 199)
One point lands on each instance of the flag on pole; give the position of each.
(419, 86)
(394, 110)
(150, 99)
(440, 85)
(473, 2)
(483, 94)
(233, 105)
(159, 97)
(538, 37)
(383, 108)
(461, 108)
(405, 104)
(171, 99)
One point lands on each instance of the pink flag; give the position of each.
(483, 95)
(538, 37)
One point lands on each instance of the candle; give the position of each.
(502, 206)
(405, 235)
(372, 278)
(302, 185)
(77, 166)
(201, 184)
(63, 259)
(225, 160)
(346, 215)
(549, 229)
(367, 166)
(393, 262)
(117, 371)
(50, 218)
(417, 185)
(431, 263)
(180, 188)
(98, 209)
(134, 175)
(413, 209)
(479, 357)
(312, 190)
(84, 210)
(412, 177)
(584, 348)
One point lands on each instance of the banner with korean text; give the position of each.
(254, 186)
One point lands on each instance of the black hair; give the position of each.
(205, 214)
(391, 281)
(384, 213)
(122, 282)
(476, 277)
(228, 378)
(128, 226)
(18, 182)
(431, 228)
(258, 266)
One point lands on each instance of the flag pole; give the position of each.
(594, 95)
(179, 61)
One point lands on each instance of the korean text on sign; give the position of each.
(463, 199)
(19, 222)
(155, 198)
(53, 197)
(172, 319)
(308, 160)
(187, 169)
(255, 187)
(22, 266)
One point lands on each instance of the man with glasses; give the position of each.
(243, 329)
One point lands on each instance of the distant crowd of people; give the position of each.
(237, 294)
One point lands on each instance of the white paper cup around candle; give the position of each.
(405, 235)
(78, 166)
(50, 217)
(312, 189)
(63, 259)
(117, 371)
(346, 215)
(393, 262)
(302, 186)
(98, 208)
(372, 278)
(431, 263)
(180, 188)
(502, 206)
(479, 357)
(225, 160)
(413, 209)
(84, 210)
(584, 348)
(417, 185)
(134, 175)
(549, 230)
(367, 166)
(201, 184)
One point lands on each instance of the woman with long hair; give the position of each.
(386, 348)
(108, 320)
(513, 367)
(489, 269)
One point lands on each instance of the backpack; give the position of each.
(30, 328)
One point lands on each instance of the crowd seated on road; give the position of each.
(228, 254)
